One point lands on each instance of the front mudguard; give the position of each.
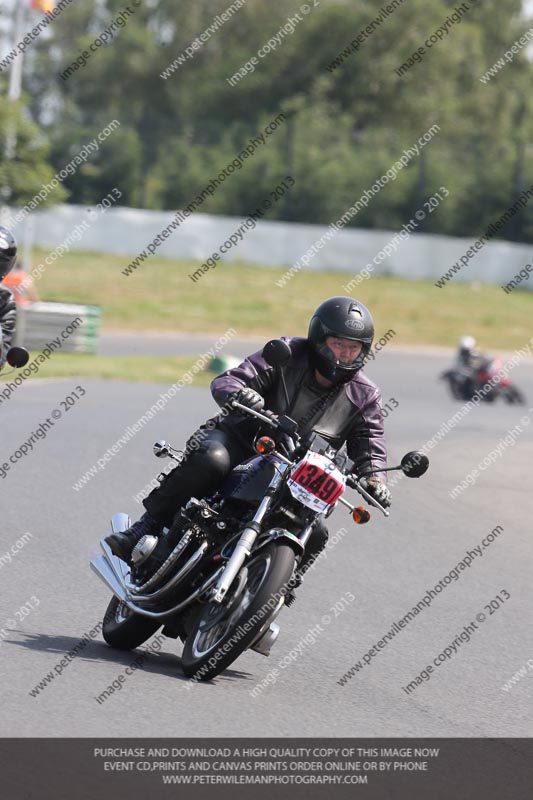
(280, 533)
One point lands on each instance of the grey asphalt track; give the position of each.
(135, 343)
(388, 565)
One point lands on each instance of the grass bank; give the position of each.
(161, 297)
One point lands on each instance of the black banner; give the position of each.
(418, 769)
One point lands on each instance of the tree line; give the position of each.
(193, 83)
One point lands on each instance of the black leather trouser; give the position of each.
(201, 473)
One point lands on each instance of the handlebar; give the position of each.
(265, 415)
(272, 419)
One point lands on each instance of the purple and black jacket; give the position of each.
(348, 413)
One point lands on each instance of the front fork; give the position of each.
(243, 548)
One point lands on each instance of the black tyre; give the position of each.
(123, 629)
(453, 385)
(513, 395)
(221, 633)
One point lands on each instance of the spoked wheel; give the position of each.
(123, 629)
(220, 633)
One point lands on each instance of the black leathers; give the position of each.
(8, 316)
(348, 413)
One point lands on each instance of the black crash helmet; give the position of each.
(346, 318)
(8, 251)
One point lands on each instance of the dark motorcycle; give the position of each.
(463, 383)
(219, 577)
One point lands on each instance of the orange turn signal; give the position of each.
(360, 515)
(265, 445)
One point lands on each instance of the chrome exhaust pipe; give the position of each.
(120, 522)
(116, 573)
(100, 565)
(119, 567)
(102, 568)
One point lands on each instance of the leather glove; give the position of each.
(377, 489)
(250, 398)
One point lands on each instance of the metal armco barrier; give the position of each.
(40, 323)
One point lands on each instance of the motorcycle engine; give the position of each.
(144, 549)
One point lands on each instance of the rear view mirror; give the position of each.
(414, 464)
(17, 357)
(277, 353)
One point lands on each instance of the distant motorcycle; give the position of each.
(463, 383)
(219, 577)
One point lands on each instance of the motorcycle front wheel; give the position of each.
(123, 629)
(220, 633)
(513, 395)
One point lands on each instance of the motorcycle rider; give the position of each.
(469, 361)
(328, 394)
(8, 312)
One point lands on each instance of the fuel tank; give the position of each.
(249, 480)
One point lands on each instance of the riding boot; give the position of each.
(122, 544)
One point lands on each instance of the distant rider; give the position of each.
(469, 362)
(8, 312)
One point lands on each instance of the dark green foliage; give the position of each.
(345, 127)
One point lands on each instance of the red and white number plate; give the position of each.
(316, 482)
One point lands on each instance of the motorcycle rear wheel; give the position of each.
(123, 629)
(220, 634)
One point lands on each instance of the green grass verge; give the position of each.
(160, 296)
(165, 370)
